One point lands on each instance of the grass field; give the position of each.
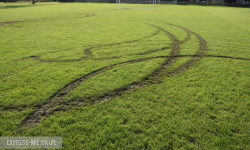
(174, 78)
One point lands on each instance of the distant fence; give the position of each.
(90, 1)
(11, 1)
(241, 3)
(96, 1)
(203, 2)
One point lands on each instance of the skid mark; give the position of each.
(88, 52)
(107, 96)
(227, 57)
(140, 53)
(47, 108)
(41, 19)
(157, 76)
(7, 23)
(201, 51)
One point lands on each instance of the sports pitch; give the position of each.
(174, 78)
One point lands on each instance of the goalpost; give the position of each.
(136, 4)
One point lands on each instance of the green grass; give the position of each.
(203, 107)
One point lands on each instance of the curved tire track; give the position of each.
(11, 22)
(202, 50)
(155, 77)
(88, 53)
(7, 23)
(47, 107)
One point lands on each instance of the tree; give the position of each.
(33, 1)
(230, 1)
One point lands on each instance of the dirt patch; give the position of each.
(87, 53)
(42, 19)
(7, 23)
(89, 15)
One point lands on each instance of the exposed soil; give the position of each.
(88, 15)
(7, 23)
(227, 57)
(11, 22)
(155, 77)
(201, 51)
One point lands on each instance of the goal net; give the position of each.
(136, 4)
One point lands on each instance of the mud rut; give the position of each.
(48, 19)
(54, 103)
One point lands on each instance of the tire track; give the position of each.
(215, 56)
(47, 108)
(48, 19)
(107, 96)
(187, 38)
(202, 50)
(141, 53)
(8, 23)
(88, 53)
(155, 77)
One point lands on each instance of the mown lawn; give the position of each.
(174, 78)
